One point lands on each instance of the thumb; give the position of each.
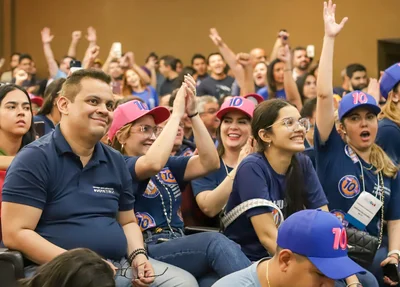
(386, 261)
(344, 20)
(140, 270)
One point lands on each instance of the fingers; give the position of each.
(344, 20)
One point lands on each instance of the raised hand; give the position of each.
(283, 37)
(76, 35)
(179, 105)
(46, 36)
(284, 54)
(244, 60)
(20, 77)
(191, 103)
(215, 37)
(94, 53)
(91, 34)
(248, 148)
(332, 29)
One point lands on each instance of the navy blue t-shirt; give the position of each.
(211, 181)
(255, 178)
(340, 174)
(48, 124)
(280, 94)
(148, 204)
(388, 138)
(79, 204)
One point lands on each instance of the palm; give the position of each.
(331, 27)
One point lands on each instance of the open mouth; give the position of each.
(365, 135)
(233, 136)
(298, 139)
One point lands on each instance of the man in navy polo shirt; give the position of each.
(68, 190)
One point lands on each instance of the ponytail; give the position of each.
(295, 188)
(381, 161)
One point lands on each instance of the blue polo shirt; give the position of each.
(79, 204)
(166, 185)
(339, 171)
(388, 138)
(48, 124)
(255, 178)
(211, 181)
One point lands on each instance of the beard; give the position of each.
(359, 87)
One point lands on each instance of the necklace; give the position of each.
(169, 218)
(226, 169)
(269, 285)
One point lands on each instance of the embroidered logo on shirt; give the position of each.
(168, 178)
(100, 189)
(277, 218)
(145, 220)
(340, 215)
(349, 186)
(351, 154)
(151, 190)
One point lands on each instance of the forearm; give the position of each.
(153, 81)
(211, 202)
(292, 93)
(106, 64)
(275, 49)
(394, 234)
(51, 62)
(248, 85)
(325, 70)
(133, 236)
(142, 73)
(33, 246)
(72, 49)
(269, 243)
(205, 146)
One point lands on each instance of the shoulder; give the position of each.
(254, 160)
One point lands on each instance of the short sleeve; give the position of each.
(177, 165)
(27, 178)
(315, 194)
(129, 187)
(334, 140)
(207, 182)
(251, 183)
(393, 211)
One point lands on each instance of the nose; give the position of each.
(153, 135)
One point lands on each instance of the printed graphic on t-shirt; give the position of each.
(222, 90)
(349, 186)
(340, 215)
(145, 220)
(169, 180)
(151, 190)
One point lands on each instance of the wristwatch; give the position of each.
(396, 252)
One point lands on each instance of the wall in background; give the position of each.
(180, 27)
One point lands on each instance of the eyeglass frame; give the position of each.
(156, 130)
(125, 269)
(291, 118)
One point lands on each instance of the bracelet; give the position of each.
(135, 253)
(358, 284)
(192, 116)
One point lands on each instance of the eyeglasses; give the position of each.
(210, 111)
(123, 271)
(290, 123)
(149, 130)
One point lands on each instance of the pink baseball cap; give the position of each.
(132, 111)
(36, 100)
(257, 98)
(240, 104)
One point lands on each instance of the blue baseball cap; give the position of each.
(321, 237)
(389, 79)
(355, 100)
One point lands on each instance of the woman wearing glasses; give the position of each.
(278, 172)
(354, 168)
(16, 126)
(161, 179)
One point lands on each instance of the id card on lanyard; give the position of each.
(367, 205)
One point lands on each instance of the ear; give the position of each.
(63, 105)
(264, 136)
(395, 97)
(285, 258)
(121, 138)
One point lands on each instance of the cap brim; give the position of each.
(223, 112)
(374, 108)
(160, 114)
(337, 268)
(257, 97)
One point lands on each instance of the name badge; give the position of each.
(363, 210)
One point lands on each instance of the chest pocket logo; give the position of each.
(167, 177)
(349, 186)
(151, 190)
(145, 220)
(340, 215)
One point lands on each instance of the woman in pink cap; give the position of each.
(212, 191)
(160, 180)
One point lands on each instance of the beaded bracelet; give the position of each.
(135, 253)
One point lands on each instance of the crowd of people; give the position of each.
(107, 168)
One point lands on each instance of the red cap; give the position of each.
(36, 100)
(258, 98)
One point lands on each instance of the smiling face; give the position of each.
(138, 141)
(260, 74)
(360, 128)
(235, 130)
(132, 79)
(15, 114)
(216, 65)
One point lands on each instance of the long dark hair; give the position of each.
(271, 80)
(50, 94)
(75, 268)
(300, 82)
(265, 115)
(30, 134)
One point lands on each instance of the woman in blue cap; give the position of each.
(355, 168)
(388, 137)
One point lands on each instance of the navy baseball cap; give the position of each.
(321, 237)
(389, 79)
(355, 100)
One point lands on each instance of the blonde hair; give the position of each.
(122, 133)
(381, 161)
(390, 110)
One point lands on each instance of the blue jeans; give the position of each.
(200, 254)
(173, 277)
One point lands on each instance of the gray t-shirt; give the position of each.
(243, 278)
